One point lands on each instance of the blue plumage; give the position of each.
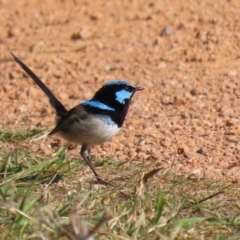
(117, 82)
(97, 104)
(91, 122)
(123, 95)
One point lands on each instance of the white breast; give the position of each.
(92, 131)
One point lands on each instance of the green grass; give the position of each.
(57, 198)
(10, 136)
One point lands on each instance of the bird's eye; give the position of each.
(128, 88)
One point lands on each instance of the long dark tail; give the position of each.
(60, 109)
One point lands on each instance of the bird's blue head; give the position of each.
(116, 94)
(114, 97)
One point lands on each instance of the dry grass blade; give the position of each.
(139, 190)
(204, 199)
(76, 229)
(79, 227)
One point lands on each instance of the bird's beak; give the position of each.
(138, 89)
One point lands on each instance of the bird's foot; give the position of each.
(102, 182)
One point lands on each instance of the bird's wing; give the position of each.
(71, 121)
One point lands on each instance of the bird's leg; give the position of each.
(85, 150)
(84, 153)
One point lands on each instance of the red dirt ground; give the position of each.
(186, 54)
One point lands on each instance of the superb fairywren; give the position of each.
(94, 121)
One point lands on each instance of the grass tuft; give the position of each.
(15, 136)
(57, 198)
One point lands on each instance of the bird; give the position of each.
(91, 122)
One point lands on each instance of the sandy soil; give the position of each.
(186, 54)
